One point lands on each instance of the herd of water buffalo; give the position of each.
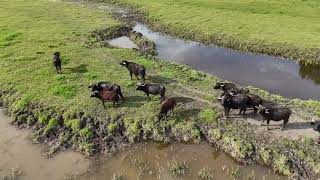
(233, 97)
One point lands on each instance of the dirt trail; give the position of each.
(297, 127)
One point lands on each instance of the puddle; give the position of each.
(276, 75)
(123, 42)
(17, 152)
(149, 161)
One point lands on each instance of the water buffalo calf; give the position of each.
(239, 101)
(166, 106)
(153, 89)
(100, 86)
(57, 62)
(106, 96)
(275, 114)
(136, 69)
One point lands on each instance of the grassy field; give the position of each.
(267, 26)
(32, 30)
(58, 106)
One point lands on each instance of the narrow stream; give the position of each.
(276, 75)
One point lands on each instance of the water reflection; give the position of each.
(310, 71)
(276, 75)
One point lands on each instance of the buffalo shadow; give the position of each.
(161, 80)
(133, 101)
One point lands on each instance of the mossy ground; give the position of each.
(58, 107)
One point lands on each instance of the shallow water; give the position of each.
(149, 161)
(276, 75)
(123, 42)
(18, 153)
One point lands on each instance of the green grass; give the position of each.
(271, 23)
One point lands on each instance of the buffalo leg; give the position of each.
(60, 69)
(242, 110)
(262, 121)
(268, 121)
(284, 124)
(226, 112)
(120, 94)
(131, 75)
(148, 96)
(57, 69)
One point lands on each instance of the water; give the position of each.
(123, 42)
(276, 75)
(18, 153)
(149, 161)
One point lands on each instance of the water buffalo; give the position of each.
(106, 86)
(254, 101)
(166, 106)
(239, 101)
(134, 68)
(225, 87)
(153, 89)
(275, 114)
(239, 90)
(106, 96)
(57, 62)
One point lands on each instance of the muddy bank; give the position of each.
(22, 159)
(151, 161)
(106, 38)
(242, 140)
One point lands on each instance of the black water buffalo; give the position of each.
(106, 86)
(316, 125)
(134, 68)
(254, 101)
(106, 96)
(239, 90)
(225, 87)
(57, 62)
(153, 89)
(166, 106)
(239, 101)
(275, 114)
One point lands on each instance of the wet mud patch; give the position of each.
(174, 161)
(146, 46)
(100, 37)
